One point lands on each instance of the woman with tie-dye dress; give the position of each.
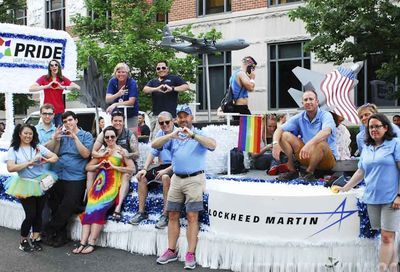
(103, 193)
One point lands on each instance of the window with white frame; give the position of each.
(55, 14)
(281, 2)
(283, 57)
(20, 17)
(219, 72)
(206, 7)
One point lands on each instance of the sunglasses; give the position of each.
(53, 65)
(109, 137)
(164, 122)
(161, 68)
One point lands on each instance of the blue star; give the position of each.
(339, 210)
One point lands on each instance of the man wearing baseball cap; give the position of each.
(188, 148)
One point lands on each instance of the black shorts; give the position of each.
(152, 173)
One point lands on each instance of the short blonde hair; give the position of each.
(120, 66)
(369, 106)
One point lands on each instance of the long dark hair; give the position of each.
(389, 134)
(59, 73)
(107, 129)
(16, 140)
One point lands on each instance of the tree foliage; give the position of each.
(355, 29)
(127, 31)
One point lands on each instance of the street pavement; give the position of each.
(62, 260)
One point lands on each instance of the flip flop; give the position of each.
(88, 249)
(79, 249)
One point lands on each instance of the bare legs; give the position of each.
(387, 252)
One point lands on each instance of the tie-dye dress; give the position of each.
(103, 194)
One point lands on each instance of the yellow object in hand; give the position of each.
(335, 189)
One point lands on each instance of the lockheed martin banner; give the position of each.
(26, 51)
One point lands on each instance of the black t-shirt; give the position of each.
(144, 130)
(165, 101)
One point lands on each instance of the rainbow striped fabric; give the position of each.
(250, 133)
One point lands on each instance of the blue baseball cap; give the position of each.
(183, 108)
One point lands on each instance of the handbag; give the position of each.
(47, 182)
(227, 103)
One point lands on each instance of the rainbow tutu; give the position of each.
(24, 187)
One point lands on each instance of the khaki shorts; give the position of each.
(327, 163)
(186, 191)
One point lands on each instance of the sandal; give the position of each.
(88, 249)
(79, 249)
(117, 216)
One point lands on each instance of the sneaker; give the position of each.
(162, 222)
(190, 261)
(167, 257)
(283, 168)
(308, 176)
(273, 171)
(138, 217)
(36, 245)
(25, 246)
(288, 176)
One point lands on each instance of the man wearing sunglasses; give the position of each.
(188, 147)
(242, 82)
(164, 91)
(149, 177)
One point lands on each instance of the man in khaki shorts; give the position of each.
(188, 149)
(316, 149)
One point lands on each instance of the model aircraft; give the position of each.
(191, 45)
(333, 89)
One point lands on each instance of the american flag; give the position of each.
(337, 86)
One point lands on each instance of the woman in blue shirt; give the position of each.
(379, 166)
(27, 158)
(122, 91)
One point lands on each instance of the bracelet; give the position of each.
(194, 134)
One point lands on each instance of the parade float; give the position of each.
(249, 224)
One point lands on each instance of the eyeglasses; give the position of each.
(47, 113)
(53, 64)
(161, 68)
(375, 127)
(164, 122)
(109, 137)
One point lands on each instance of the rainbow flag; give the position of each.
(250, 133)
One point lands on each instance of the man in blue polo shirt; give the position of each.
(72, 145)
(314, 147)
(188, 148)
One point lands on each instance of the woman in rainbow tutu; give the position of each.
(27, 158)
(103, 193)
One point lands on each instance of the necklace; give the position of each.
(26, 155)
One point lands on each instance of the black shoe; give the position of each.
(25, 246)
(307, 176)
(59, 241)
(288, 176)
(36, 244)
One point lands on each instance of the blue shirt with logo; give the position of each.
(188, 155)
(112, 88)
(381, 173)
(163, 154)
(308, 129)
(71, 165)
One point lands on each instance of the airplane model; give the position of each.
(199, 46)
(333, 89)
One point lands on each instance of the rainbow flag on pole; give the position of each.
(250, 133)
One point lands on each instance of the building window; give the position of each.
(281, 2)
(370, 89)
(55, 14)
(220, 71)
(284, 57)
(162, 18)
(20, 17)
(205, 7)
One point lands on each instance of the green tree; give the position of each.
(127, 31)
(8, 10)
(356, 29)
